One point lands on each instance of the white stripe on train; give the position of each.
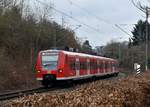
(84, 76)
(80, 77)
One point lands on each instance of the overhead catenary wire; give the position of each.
(61, 12)
(99, 18)
(88, 26)
(92, 14)
(123, 30)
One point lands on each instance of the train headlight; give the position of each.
(38, 71)
(60, 70)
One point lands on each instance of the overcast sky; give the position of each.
(109, 12)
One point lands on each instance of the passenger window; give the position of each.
(103, 65)
(88, 65)
(72, 65)
(106, 65)
(95, 65)
(83, 66)
(100, 66)
(91, 65)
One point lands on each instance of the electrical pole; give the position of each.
(119, 52)
(146, 42)
(145, 10)
(55, 31)
(63, 21)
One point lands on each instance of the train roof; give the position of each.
(86, 55)
(79, 54)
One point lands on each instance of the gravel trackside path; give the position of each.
(131, 91)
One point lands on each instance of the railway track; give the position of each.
(11, 95)
(17, 94)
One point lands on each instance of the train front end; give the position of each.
(47, 67)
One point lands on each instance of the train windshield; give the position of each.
(49, 61)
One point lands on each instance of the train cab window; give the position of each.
(49, 61)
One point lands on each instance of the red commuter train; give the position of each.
(56, 65)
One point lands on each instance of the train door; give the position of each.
(113, 67)
(95, 71)
(98, 67)
(106, 70)
(104, 67)
(109, 67)
(77, 64)
(88, 66)
(83, 66)
(71, 66)
(93, 66)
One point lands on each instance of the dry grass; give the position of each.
(133, 91)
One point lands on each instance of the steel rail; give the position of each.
(11, 95)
